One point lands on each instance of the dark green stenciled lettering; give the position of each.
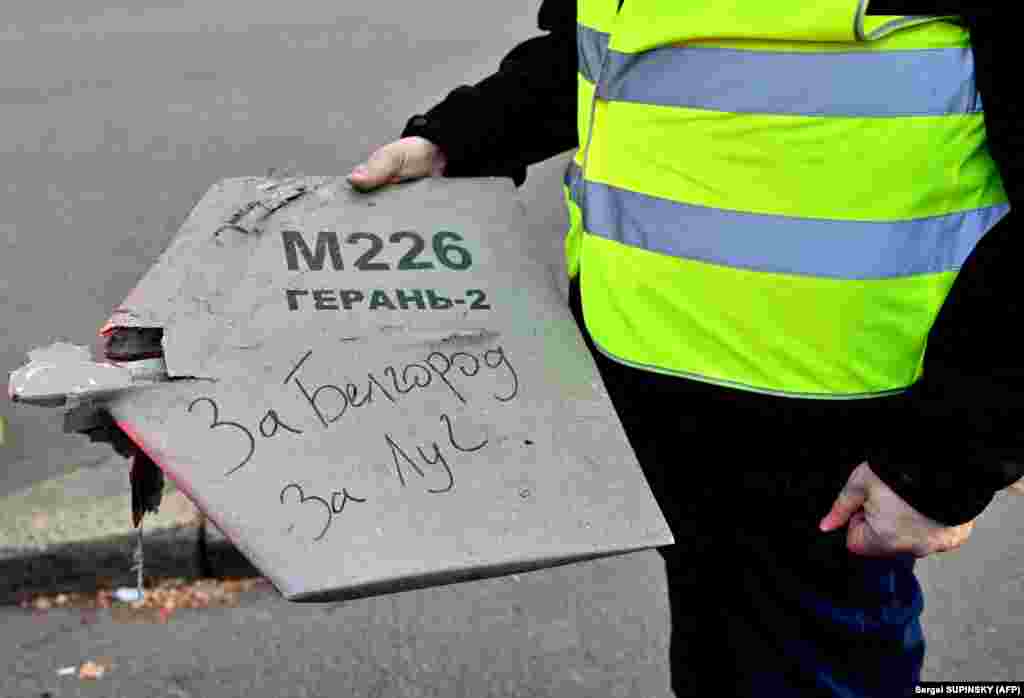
(405, 297)
(437, 301)
(449, 254)
(380, 298)
(408, 261)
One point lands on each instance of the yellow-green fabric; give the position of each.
(804, 333)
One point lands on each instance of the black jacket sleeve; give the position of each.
(522, 114)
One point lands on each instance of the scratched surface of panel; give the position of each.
(383, 391)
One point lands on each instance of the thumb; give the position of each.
(1016, 488)
(860, 538)
(383, 167)
(847, 503)
(407, 158)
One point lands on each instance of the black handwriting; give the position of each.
(331, 508)
(402, 380)
(397, 451)
(276, 420)
(216, 423)
(451, 437)
(432, 455)
(502, 359)
(438, 458)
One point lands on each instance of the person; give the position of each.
(751, 241)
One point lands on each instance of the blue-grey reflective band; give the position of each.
(590, 49)
(574, 180)
(917, 82)
(807, 246)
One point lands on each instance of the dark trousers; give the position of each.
(762, 602)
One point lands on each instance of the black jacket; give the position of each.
(947, 444)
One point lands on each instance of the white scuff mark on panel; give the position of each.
(250, 217)
(189, 291)
(60, 351)
(193, 266)
(445, 336)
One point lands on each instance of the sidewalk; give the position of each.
(74, 532)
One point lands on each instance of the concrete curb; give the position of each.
(74, 532)
(218, 557)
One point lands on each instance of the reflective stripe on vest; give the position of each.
(823, 84)
(761, 211)
(833, 249)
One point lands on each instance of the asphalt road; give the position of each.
(589, 630)
(115, 120)
(571, 632)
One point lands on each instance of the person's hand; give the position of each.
(1016, 488)
(407, 158)
(882, 524)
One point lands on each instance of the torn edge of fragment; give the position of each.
(65, 374)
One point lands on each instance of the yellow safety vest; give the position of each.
(774, 195)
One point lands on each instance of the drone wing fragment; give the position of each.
(376, 392)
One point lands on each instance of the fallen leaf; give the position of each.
(171, 593)
(91, 670)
